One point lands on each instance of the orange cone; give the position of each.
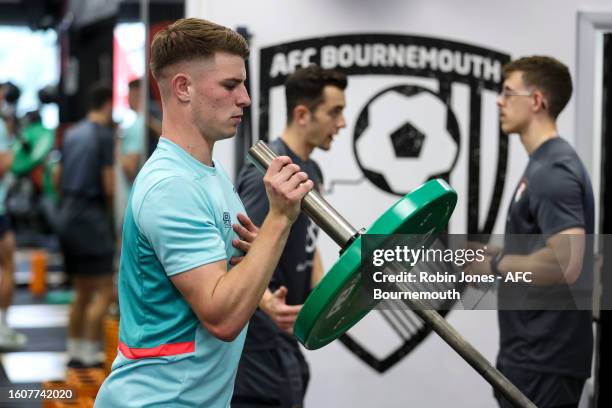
(38, 278)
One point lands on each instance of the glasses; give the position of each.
(506, 93)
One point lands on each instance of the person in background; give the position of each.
(272, 370)
(85, 222)
(9, 339)
(132, 145)
(546, 353)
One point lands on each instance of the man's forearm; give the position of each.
(129, 166)
(543, 264)
(238, 292)
(317, 269)
(6, 160)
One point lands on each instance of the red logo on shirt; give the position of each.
(519, 191)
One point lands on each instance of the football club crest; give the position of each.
(417, 108)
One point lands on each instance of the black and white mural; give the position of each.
(415, 111)
(413, 104)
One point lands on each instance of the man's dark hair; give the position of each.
(99, 94)
(11, 92)
(192, 38)
(134, 84)
(305, 87)
(549, 76)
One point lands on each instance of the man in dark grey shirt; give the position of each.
(86, 181)
(545, 350)
(272, 370)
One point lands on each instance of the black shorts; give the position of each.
(88, 265)
(85, 229)
(5, 225)
(271, 378)
(544, 389)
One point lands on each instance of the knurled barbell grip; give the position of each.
(315, 206)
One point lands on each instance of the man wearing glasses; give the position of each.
(545, 353)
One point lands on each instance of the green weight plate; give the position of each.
(36, 142)
(342, 298)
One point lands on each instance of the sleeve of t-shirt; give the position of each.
(133, 138)
(319, 177)
(252, 192)
(557, 199)
(4, 137)
(179, 224)
(108, 148)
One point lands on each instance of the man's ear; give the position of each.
(301, 114)
(181, 87)
(540, 101)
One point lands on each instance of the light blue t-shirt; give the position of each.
(132, 142)
(179, 216)
(5, 146)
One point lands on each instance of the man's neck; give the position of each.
(97, 118)
(297, 143)
(538, 132)
(183, 133)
